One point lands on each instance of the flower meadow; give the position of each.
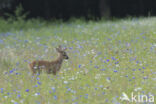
(106, 59)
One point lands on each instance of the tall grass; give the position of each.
(106, 59)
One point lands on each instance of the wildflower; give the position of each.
(53, 88)
(27, 90)
(80, 66)
(50, 92)
(103, 69)
(17, 63)
(18, 96)
(2, 90)
(115, 71)
(107, 60)
(39, 83)
(11, 71)
(96, 67)
(12, 101)
(72, 91)
(69, 89)
(138, 89)
(117, 62)
(55, 97)
(70, 48)
(65, 82)
(108, 79)
(17, 73)
(26, 41)
(113, 58)
(36, 94)
(134, 69)
(145, 77)
(37, 78)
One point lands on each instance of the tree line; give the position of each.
(80, 8)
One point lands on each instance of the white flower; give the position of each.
(117, 65)
(12, 101)
(65, 82)
(36, 94)
(137, 89)
(6, 97)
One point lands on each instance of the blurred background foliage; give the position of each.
(88, 9)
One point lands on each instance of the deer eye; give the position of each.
(64, 53)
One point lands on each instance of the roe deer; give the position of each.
(49, 66)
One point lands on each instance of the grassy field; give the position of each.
(107, 60)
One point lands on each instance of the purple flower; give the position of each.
(115, 71)
(80, 66)
(69, 89)
(134, 69)
(96, 66)
(39, 83)
(27, 90)
(17, 73)
(2, 90)
(117, 62)
(113, 58)
(55, 97)
(53, 88)
(18, 96)
(101, 86)
(70, 48)
(26, 41)
(11, 71)
(37, 78)
(50, 92)
(108, 78)
(107, 60)
(103, 69)
(145, 77)
(17, 63)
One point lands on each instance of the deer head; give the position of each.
(62, 52)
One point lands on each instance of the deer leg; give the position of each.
(48, 71)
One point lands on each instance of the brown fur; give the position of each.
(49, 66)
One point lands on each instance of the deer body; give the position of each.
(49, 66)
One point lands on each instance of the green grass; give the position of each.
(106, 59)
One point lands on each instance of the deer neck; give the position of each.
(59, 59)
